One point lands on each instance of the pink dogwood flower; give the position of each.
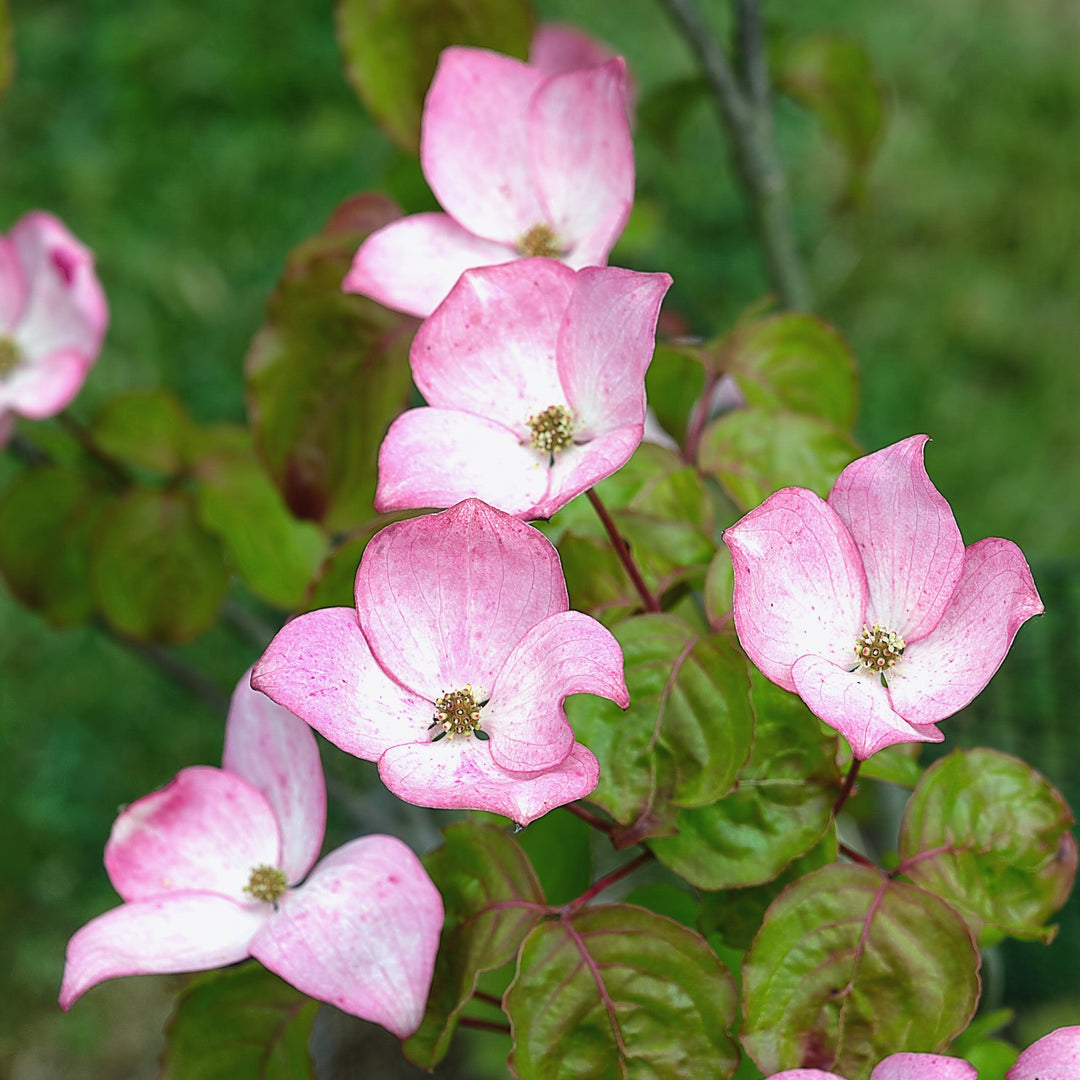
(869, 606)
(452, 670)
(209, 870)
(52, 318)
(534, 375)
(897, 1067)
(522, 161)
(1053, 1057)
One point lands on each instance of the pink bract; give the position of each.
(52, 318)
(897, 1067)
(511, 352)
(869, 606)
(1054, 1057)
(463, 609)
(523, 162)
(361, 932)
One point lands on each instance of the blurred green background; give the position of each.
(191, 144)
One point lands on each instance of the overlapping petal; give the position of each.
(320, 668)
(184, 931)
(906, 535)
(204, 831)
(1053, 1057)
(43, 387)
(561, 47)
(924, 1067)
(578, 468)
(361, 933)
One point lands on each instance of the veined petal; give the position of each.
(582, 151)
(361, 933)
(1053, 1057)
(474, 142)
(577, 468)
(906, 535)
(460, 774)
(205, 831)
(275, 752)
(410, 265)
(799, 584)
(437, 457)
(942, 673)
(319, 666)
(489, 349)
(44, 386)
(606, 342)
(923, 1067)
(855, 704)
(185, 931)
(443, 599)
(568, 653)
(13, 289)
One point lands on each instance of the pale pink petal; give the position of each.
(855, 704)
(799, 584)
(460, 774)
(805, 1074)
(923, 1067)
(410, 265)
(582, 153)
(44, 386)
(185, 931)
(205, 831)
(361, 933)
(65, 307)
(437, 457)
(606, 343)
(443, 599)
(319, 667)
(12, 287)
(940, 674)
(474, 142)
(490, 347)
(577, 468)
(1054, 1057)
(275, 751)
(561, 47)
(906, 535)
(568, 653)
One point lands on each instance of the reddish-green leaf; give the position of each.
(150, 429)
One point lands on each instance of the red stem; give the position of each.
(489, 999)
(699, 419)
(606, 881)
(589, 818)
(849, 783)
(855, 856)
(483, 1025)
(619, 544)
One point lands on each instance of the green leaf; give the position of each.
(477, 868)
(327, 374)
(797, 362)
(687, 732)
(719, 586)
(898, 764)
(849, 967)
(242, 1023)
(673, 383)
(617, 991)
(666, 899)
(47, 522)
(276, 555)
(780, 808)
(157, 574)
(596, 580)
(7, 53)
(986, 832)
(149, 429)
(833, 76)
(391, 48)
(754, 452)
(559, 846)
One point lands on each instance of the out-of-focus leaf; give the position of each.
(242, 1023)
(849, 967)
(989, 834)
(687, 732)
(673, 383)
(275, 554)
(559, 847)
(47, 522)
(149, 429)
(327, 374)
(157, 574)
(391, 48)
(992, 1058)
(796, 362)
(492, 900)
(754, 452)
(664, 110)
(596, 580)
(7, 53)
(833, 76)
(780, 808)
(719, 586)
(618, 991)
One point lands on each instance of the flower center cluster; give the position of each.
(458, 713)
(540, 240)
(877, 648)
(10, 356)
(267, 883)
(552, 429)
